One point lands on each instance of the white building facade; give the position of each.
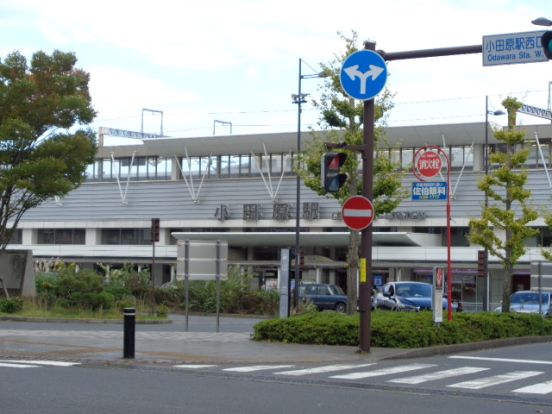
(242, 189)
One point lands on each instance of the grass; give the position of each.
(37, 311)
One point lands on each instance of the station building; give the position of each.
(242, 189)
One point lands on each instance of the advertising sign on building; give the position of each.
(427, 191)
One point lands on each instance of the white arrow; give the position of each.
(374, 72)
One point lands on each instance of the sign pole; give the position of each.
(365, 283)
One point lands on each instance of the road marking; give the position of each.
(432, 376)
(253, 368)
(319, 370)
(6, 365)
(495, 380)
(383, 371)
(542, 388)
(41, 362)
(194, 366)
(522, 361)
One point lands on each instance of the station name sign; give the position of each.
(539, 112)
(512, 48)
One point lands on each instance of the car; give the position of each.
(406, 296)
(324, 296)
(527, 301)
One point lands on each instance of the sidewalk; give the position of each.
(168, 344)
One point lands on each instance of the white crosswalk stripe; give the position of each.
(7, 365)
(194, 366)
(254, 368)
(541, 388)
(383, 371)
(34, 363)
(495, 380)
(433, 376)
(321, 370)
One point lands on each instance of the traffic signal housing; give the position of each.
(155, 229)
(332, 178)
(546, 41)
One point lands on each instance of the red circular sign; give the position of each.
(357, 212)
(429, 164)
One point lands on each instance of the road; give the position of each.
(60, 390)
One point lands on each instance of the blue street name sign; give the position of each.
(424, 191)
(363, 75)
(507, 49)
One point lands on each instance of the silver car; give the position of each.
(528, 301)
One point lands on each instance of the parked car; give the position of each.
(527, 301)
(406, 296)
(324, 296)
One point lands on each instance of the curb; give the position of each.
(90, 321)
(472, 346)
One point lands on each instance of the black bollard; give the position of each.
(130, 330)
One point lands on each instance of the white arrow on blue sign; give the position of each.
(363, 75)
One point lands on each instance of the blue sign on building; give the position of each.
(424, 191)
(363, 75)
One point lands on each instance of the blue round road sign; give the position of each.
(363, 75)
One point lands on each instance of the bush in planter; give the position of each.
(12, 305)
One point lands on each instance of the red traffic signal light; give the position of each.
(546, 41)
(332, 178)
(155, 229)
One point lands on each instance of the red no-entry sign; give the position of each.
(357, 212)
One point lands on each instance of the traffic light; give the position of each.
(332, 178)
(546, 41)
(155, 229)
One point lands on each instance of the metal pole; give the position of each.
(449, 243)
(298, 194)
(486, 162)
(187, 280)
(365, 286)
(129, 334)
(218, 284)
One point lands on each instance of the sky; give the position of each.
(237, 61)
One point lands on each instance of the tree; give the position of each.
(39, 157)
(508, 212)
(341, 117)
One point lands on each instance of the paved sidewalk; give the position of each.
(169, 344)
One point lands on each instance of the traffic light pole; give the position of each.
(365, 283)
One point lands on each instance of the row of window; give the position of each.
(142, 236)
(161, 168)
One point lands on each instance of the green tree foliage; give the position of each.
(39, 156)
(503, 226)
(342, 120)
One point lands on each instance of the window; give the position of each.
(126, 236)
(16, 237)
(60, 236)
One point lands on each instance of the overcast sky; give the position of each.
(237, 60)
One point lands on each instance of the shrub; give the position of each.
(401, 330)
(11, 305)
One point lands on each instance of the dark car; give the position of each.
(324, 296)
(406, 296)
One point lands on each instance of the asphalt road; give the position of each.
(60, 390)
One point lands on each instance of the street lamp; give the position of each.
(299, 99)
(542, 21)
(486, 164)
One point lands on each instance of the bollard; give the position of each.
(129, 333)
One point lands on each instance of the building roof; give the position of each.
(406, 136)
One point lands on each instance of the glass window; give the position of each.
(456, 157)
(234, 164)
(407, 157)
(151, 165)
(45, 236)
(16, 237)
(213, 167)
(164, 167)
(287, 161)
(224, 165)
(124, 167)
(106, 169)
(245, 165)
(276, 163)
(111, 236)
(141, 167)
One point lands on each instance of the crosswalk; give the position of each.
(409, 374)
(34, 363)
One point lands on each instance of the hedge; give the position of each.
(401, 330)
